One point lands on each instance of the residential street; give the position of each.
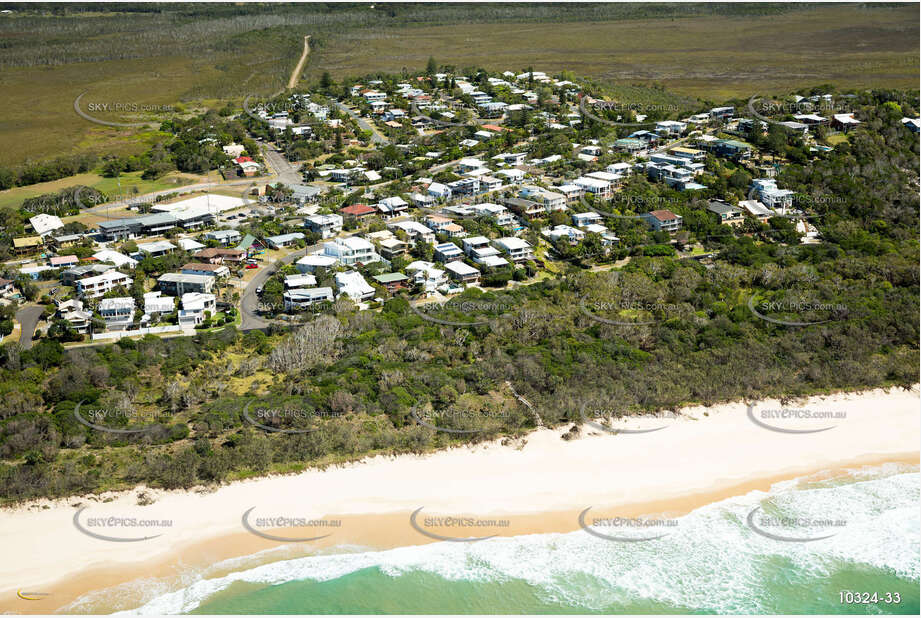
(28, 318)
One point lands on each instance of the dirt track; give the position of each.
(296, 74)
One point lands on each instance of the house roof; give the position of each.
(664, 215)
(202, 266)
(27, 241)
(357, 210)
(390, 278)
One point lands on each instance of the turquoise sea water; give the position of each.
(712, 562)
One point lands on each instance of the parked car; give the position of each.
(250, 265)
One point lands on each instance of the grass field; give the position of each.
(713, 58)
(110, 186)
(189, 61)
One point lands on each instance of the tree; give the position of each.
(326, 81)
(432, 67)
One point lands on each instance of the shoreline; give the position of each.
(540, 486)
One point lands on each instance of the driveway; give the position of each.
(28, 319)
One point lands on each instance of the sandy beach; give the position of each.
(539, 484)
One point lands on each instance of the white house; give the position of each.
(516, 248)
(155, 303)
(94, 287)
(439, 191)
(415, 230)
(325, 225)
(44, 224)
(353, 285)
(118, 313)
(350, 251)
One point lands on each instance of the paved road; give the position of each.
(284, 172)
(249, 302)
(28, 319)
(376, 137)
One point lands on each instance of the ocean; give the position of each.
(713, 561)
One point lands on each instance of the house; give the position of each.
(771, 196)
(233, 150)
(284, 240)
(6, 286)
(27, 244)
(447, 252)
(305, 194)
(195, 305)
(357, 211)
(490, 183)
(424, 201)
(607, 238)
(483, 135)
(731, 149)
(66, 240)
(671, 127)
(586, 218)
(757, 210)
(118, 313)
(119, 259)
(216, 255)
(688, 154)
(427, 275)
(609, 177)
(630, 145)
(527, 209)
(516, 248)
(353, 285)
(188, 244)
(350, 251)
(464, 186)
(570, 234)
(156, 249)
(177, 284)
(437, 223)
(497, 212)
(599, 188)
(96, 286)
(247, 166)
(392, 206)
(72, 311)
(512, 175)
(299, 298)
(209, 270)
(550, 200)
(300, 281)
(310, 263)
(572, 192)
(845, 122)
(63, 261)
(157, 304)
(913, 124)
(469, 163)
(224, 237)
(727, 213)
(415, 230)
(326, 226)
(43, 224)
(463, 273)
(511, 158)
(663, 220)
(392, 281)
(722, 113)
